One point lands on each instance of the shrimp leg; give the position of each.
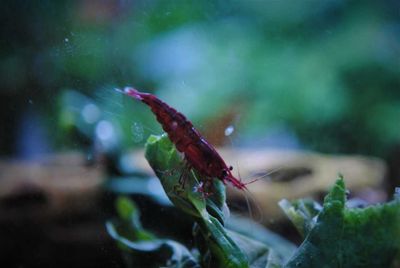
(185, 172)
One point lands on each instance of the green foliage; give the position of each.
(344, 237)
(334, 235)
(142, 248)
(280, 248)
(307, 68)
(302, 213)
(224, 251)
(164, 159)
(215, 244)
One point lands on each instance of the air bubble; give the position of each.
(229, 130)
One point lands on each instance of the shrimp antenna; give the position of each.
(247, 195)
(125, 92)
(272, 171)
(120, 91)
(251, 200)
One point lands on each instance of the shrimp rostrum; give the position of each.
(198, 153)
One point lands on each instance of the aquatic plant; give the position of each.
(334, 235)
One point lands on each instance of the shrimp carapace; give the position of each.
(199, 153)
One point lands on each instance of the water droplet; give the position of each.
(137, 132)
(229, 130)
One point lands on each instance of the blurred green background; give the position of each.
(319, 75)
(304, 75)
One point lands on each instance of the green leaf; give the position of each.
(153, 253)
(255, 251)
(274, 260)
(168, 166)
(278, 246)
(207, 212)
(343, 237)
(129, 223)
(302, 213)
(140, 247)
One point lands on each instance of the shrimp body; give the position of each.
(198, 153)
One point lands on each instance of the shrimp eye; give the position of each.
(230, 168)
(224, 173)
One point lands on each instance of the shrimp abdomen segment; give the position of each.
(175, 124)
(199, 159)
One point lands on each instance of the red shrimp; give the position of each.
(198, 153)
